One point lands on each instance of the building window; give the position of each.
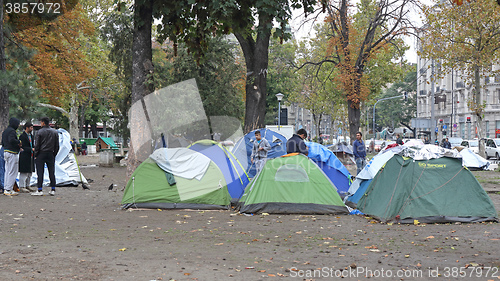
(462, 129)
(498, 95)
(487, 129)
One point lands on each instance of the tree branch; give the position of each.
(60, 109)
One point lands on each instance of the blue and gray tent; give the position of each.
(234, 173)
(243, 148)
(331, 166)
(364, 178)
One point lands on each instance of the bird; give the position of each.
(85, 186)
(111, 187)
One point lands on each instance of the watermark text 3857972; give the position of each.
(33, 8)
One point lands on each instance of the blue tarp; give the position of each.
(331, 166)
(233, 172)
(243, 148)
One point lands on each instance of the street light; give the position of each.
(279, 96)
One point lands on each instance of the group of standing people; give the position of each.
(22, 154)
(296, 144)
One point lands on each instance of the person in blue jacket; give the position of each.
(359, 150)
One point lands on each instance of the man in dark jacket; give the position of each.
(296, 143)
(446, 143)
(399, 141)
(46, 148)
(11, 146)
(26, 158)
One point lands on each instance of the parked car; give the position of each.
(472, 145)
(492, 148)
(455, 141)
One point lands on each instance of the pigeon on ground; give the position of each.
(111, 187)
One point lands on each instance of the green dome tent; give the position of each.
(291, 185)
(430, 191)
(177, 178)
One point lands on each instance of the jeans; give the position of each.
(2, 168)
(40, 161)
(360, 164)
(259, 164)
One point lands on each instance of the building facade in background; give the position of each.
(452, 116)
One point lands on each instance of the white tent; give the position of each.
(66, 168)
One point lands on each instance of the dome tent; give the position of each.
(234, 173)
(431, 190)
(176, 178)
(291, 185)
(331, 166)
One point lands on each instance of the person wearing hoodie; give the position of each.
(11, 146)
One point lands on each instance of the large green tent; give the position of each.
(291, 185)
(434, 190)
(177, 178)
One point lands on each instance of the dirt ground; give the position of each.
(84, 235)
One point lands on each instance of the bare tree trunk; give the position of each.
(4, 93)
(93, 129)
(354, 116)
(73, 118)
(257, 60)
(479, 112)
(142, 66)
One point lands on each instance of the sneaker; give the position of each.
(37, 193)
(10, 193)
(23, 190)
(52, 192)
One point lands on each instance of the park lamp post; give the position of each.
(279, 96)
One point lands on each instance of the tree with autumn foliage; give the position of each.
(465, 37)
(10, 24)
(60, 64)
(364, 44)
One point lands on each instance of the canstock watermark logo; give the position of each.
(304, 163)
(174, 117)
